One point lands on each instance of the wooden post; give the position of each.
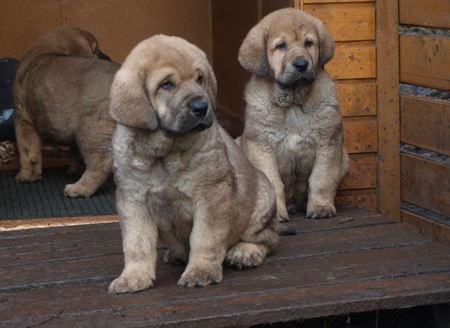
(389, 196)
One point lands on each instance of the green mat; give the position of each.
(45, 199)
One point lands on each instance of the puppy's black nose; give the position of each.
(199, 108)
(301, 65)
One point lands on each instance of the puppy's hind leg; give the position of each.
(98, 158)
(247, 255)
(29, 143)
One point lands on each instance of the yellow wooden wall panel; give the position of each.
(425, 123)
(426, 183)
(362, 172)
(360, 135)
(353, 61)
(425, 61)
(430, 13)
(349, 22)
(357, 98)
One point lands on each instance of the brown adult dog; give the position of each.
(179, 175)
(293, 130)
(61, 94)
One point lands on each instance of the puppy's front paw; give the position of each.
(75, 190)
(28, 177)
(320, 212)
(201, 276)
(282, 216)
(130, 284)
(246, 255)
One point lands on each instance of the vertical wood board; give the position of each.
(388, 108)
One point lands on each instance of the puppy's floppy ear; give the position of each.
(327, 46)
(129, 103)
(253, 53)
(211, 89)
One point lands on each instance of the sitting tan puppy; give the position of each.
(179, 175)
(61, 94)
(293, 130)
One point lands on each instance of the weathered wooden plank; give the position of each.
(47, 162)
(388, 113)
(424, 123)
(362, 172)
(349, 22)
(436, 231)
(426, 183)
(82, 265)
(364, 198)
(360, 135)
(241, 290)
(425, 61)
(430, 13)
(357, 98)
(354, 60)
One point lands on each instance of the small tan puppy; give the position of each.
(61, 95)
(179, 175)
(293, 130)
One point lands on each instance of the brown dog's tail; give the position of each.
(286, 230)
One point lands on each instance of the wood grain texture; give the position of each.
(436, 231)
(362, 172)
(357, 98)
(360, 135)
(354, 60)
(58, 277)
(388, 109)
(335, 1)
(426, 183)
(349, 22)
(361, 198)
(425, 123)
(425, 61)
(430, 13)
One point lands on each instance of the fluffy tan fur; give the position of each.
(293, 130)
(180, 177)
(61, 94)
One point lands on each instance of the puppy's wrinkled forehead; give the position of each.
(291, 28)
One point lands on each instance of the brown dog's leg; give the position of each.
(76, 161)
(140, 237)
(247, 255)
(29, 143)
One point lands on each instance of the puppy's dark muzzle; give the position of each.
(199, 108)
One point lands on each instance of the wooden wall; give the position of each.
(118, 25)
(425, 123)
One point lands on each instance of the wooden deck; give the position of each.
(358, 261)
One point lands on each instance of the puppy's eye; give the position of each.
(167, 86)
(282, 46)
(200, 80)
(308, 43)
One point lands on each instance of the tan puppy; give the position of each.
(61, 94)
(293, 131)
(179, 175)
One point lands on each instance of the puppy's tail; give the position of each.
(286, 230)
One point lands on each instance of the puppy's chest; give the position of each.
(299, 134)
